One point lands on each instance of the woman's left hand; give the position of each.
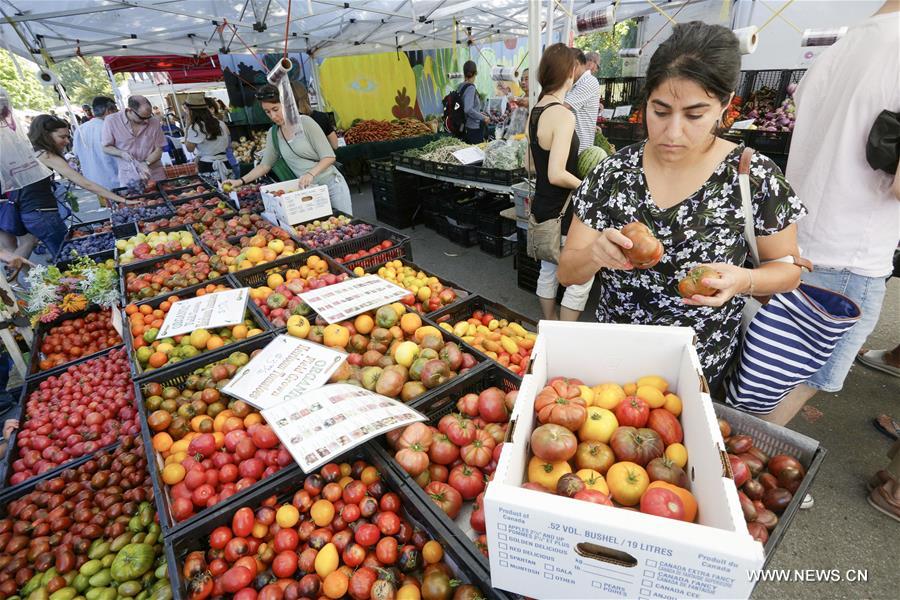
(732, 281)
(306, 180)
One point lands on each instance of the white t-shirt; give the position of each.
(584, 98)
(208, 150)
(854, 219)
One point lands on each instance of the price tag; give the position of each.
(467, 156)
(608, 113)
(283, 371)
(622, 111)
(206, 312)
(742, 124)
(325, 423)
(340, 301)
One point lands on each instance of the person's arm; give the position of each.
(59, 164)
(333, 140)
(155, 155)
(14, 260)
(588, 250)
(563, 124)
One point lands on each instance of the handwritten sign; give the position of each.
(285, 369)
(467, 156)
(340, 301)
(323, 424)
(622, 111)
(206, 312)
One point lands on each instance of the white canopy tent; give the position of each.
(60, 29)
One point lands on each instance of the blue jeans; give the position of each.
(868, 293)
(47, 226)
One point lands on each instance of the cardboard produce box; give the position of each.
(547, 546)
(295, 205)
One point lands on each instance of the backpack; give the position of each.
(454, 114)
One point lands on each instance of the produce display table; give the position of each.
(494, 188)
(373, 150)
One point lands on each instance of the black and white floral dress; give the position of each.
(706, 227)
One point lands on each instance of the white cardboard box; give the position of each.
(296, 205)
(548, 546)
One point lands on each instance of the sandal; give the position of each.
(888, 426)
(880, 478)
(875, 359)
(882, 501)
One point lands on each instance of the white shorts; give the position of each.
(576, 296)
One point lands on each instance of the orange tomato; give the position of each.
(131, 309)
(627, 482)
(173, 473)
(162, 441)
(157, 359)
(146, 309)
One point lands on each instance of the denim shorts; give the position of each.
(868, 293)
(47, 226)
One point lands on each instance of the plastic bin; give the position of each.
(163, 257)
(97, 258)
(457, 554)
(773, 439)
(145, 267)
(396, 215)
(67, 250)
(523, 192)
(435, 408)
(42, 329)
(89, 228)
(256, 276)
(491, 223)
(497, 246)
(176, 377)
(461, 292)
(401, 247)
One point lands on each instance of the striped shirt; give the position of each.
(584, 98)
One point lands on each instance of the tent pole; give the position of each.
(175, 101)
(570, 22)
(115, 88)
(550, 14)
(534, 50)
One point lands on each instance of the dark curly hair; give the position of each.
(41, 128)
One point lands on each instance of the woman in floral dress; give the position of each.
(682, 182)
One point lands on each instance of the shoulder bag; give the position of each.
(789, 336)
(545, 239)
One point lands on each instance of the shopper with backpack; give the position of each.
(466, 119)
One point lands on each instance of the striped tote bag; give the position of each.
(787, 341)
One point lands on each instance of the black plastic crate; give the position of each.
(435, 408)
(399, 217)
(146, 267)
(772, 440)
(67, 251)
(163, 257)
(527, 274)
(381, 170)
(88, 228)
(42, 329)
(770, 142)
(97, 258)
(185, 294)
(461, 207)
(616, 91)
(461, 292)
(179, 182)
(496, 245)
(125, 230)
(12, 453)
(257, 276)
(463, 235)
(208, 198)
(624, 132)
(401, 248)
(176, 377)
(491, 223)
(459, 556)
(462, 311)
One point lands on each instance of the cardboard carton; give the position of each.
(295, 205)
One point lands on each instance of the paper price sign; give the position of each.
(467, 156)
(622, 111)
(323, 424)
(283, 371)
(340, 301)
(206, 312)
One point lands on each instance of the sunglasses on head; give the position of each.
(267, 96)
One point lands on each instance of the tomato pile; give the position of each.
(279, 298)
(201, 210)
(386, 244)
(428, 293)
(212, 446)
(89, 531)
(766, 485)
(70, 340)
(77, 412)
(214, 234)
(188, 193)
(392, 352)
(503, 341)
(342, 533)
(174, 274)
(623, 442)
(454, 461)
(154, 352)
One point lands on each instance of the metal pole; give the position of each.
(115, 88)
(175, 101)
(570, 23)
(65, 98)
(551, 5)
(534, 50)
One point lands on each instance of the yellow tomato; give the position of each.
(627, 482)
(677, 453)
(651, 396)
(673, 404)
(608, 395)
(326, 560)
(547, 473)
(593, 480)
(598, 426)
(654, 381)
(287, 516)
(322, 512)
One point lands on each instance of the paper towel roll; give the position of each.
(602, 19)
(503, 74)
(630, 52)
(280, 70)
(748, 39)
(455, 75)
(821, 37)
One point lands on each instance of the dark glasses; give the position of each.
(267, 96)
(140, 116)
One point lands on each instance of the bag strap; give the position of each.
(565, 205)
(747, 208)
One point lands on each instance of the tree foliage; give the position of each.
(607, 45)
(83, 79)
(25, 92)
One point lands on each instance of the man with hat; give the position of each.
(134, 137)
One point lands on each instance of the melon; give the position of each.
(589, 158)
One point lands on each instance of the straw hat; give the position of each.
(195, 100)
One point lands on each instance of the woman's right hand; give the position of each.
(607, 250)
(234, 183)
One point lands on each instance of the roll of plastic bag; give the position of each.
(279, 77)
(18, 166)
(748, 39)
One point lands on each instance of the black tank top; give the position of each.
(36, 196)
(548, 198)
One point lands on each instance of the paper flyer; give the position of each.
(323, 424)
(467, 156)
(341, 301)
(206, 312)
(285, 369)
